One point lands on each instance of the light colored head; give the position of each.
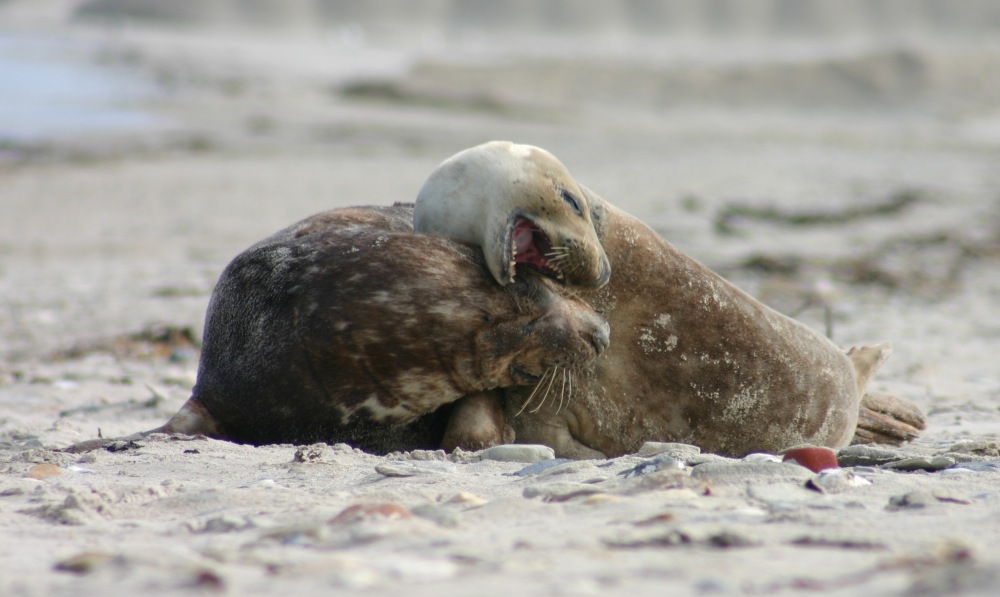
(521, 205)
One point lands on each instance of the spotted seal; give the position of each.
(697, 360)
(522, 206)
(348, 327)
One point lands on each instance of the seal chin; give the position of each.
(531, 246)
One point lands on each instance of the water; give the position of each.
(53, 88)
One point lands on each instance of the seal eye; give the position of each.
(573, 202)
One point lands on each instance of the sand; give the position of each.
(111, 237)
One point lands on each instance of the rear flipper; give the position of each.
(866, 360)
(885, 419)
(191, 419)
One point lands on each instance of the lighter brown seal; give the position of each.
(522, 206)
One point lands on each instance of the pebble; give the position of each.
(225, 523)
(382, 510)
(836, 480)
(400, 468)
(744, 472)
(465, 498)
(518, 453)
(44, 471)
(538, 467)
(922, 463)
(312, 453)
(944, 494)
(678, 451)
(761, 457)
(661, 463)
(862, 455)
(672, 480)
(978, 448)
(87, 562)
(911, 501)
(813, 458)
(560, 492)
(719, 538)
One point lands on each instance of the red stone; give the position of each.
(385, 510)
(814, 459)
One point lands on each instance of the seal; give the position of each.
(522, 206)
(348, 327)
(695, 359)
(698, 361)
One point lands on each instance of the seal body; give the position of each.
(347, 327)
(695, 360)
(521, 205)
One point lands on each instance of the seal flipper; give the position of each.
(885, 419)
(192, 419)
(866, 360)
(477, 422)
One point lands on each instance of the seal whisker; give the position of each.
(533, 392)
(562, 391)
(545, 396)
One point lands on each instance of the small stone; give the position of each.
(539, 467)
(383, 510)
(836, 480)
(665, 481)
(922, 463)
(977, 448)
(911, 501)
(813, 458)
(466, 499)
(313, 453)
(225, 523)
(560, 492)
(661, 463)
(425, 455)
(761, 457)
(86, 562)
(679, 451)
(44, 471)
(122, 446)
(947, 495)
(860, 543)
(862, 455)
(518, 453)
(402, 468)
(743, 472)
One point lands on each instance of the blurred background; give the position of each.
(840, 160)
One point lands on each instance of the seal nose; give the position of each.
(601, 338)
(605, 273)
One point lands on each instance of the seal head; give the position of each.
(522, 206)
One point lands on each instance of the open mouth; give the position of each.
(532, 247)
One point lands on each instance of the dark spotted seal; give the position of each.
(348, 327)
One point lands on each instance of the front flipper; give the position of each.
(477, 422)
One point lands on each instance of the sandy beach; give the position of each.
(845, 174)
